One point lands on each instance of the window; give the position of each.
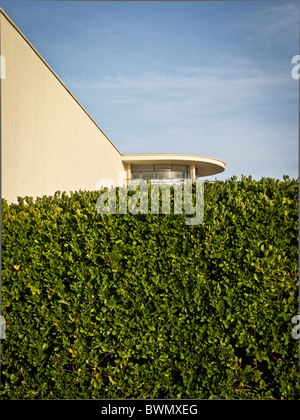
(142, 171)
(160, 171)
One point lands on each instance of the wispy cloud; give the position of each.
(204, 90)
(220, 86)
(281, 17)
(202, 110)
(274, 21)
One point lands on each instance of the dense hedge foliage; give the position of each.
(144, 306)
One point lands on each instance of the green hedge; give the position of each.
(144, 306)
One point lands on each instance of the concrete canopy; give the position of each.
(204, 165)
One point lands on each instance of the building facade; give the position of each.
(50, 143)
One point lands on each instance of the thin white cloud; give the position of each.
(186, 78)
(236, 111)
(211, 91)
(280, 18)
(273, 21)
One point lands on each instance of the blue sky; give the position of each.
(209, 78)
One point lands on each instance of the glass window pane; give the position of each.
(178, 174)
(141, 167)
(147, 175)
(179, 168)
(163, 174)
(163, 171)
(159, 167)
(135, 175)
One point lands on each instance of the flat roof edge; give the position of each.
(171, 156)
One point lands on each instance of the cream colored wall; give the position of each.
(49, 142)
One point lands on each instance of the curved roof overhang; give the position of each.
(205, 165)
